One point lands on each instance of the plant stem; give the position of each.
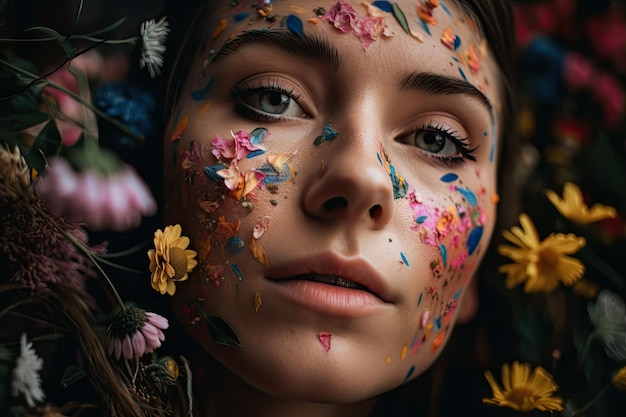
(76, 97)
(598, 263)
(593, 401)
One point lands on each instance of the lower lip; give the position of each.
(329, 299)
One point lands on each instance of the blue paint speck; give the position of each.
(404, 260)
(385, 6)
(240, 17)
(419, 301)
(462, 74)
(237, 271)
(469, 196)
(234, 246)
(425, 27)
(211, 171)
(294, 24)
(204, 92)
(474, 239)
(449, 177)
(444, 254)
(421, 219)
(445, 9)
(255, 153)
(408, 375)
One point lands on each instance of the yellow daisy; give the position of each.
(573, 208)
(523, 390)
(170, 261)
(542, 264)
(619, 379)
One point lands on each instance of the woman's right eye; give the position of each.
(268, 103)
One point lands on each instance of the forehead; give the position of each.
(420, 35)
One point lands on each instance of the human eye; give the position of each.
(267, 100)
(441, 142)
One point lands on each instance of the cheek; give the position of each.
(452, 226)
(224, 189)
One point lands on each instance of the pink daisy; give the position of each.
(135, 332)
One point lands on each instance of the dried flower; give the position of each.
(153, 36)
(170, 261)
(542, 264)
(14, 178)
(524, 391)
(114, 202)
(26, 379)
(135, 332)
(608, 315)
(573, 208)
(35, 253)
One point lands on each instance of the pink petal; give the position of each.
(139, 344)
(127, 347)
(157, 320)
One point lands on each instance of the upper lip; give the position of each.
(354, 269)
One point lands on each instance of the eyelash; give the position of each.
(241, 92)
(451, 134)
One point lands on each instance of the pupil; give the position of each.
(276, 99)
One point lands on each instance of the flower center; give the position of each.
(548, 260)
(179, 261)
(521, 396)
(127, 322)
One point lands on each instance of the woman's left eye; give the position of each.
(442, 143)
(267, 103)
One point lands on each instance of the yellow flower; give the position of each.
(523, 391)
(619, 379)
(170, 261)
(542, 264)
(573, 208)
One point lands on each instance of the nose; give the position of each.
(354, 186)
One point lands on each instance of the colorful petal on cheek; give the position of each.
(259, 253)
(261, 227)
(324, 338)
(258, 302)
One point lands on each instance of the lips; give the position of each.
(352, 273)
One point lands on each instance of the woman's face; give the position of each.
(336, 175)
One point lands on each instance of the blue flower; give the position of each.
(127, 103)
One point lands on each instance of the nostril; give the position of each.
(335, 203)
(376, 211)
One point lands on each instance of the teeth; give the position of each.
(333, 279)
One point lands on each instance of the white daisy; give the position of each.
(26, 374)
(153, 36)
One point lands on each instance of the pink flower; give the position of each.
(223, 148)
(607, 34)
(608, 92)
(342, 16)
(114, 202)
(135, 332)
(578, 70)
(366, 29)
(243, 146)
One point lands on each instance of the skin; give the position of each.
(338, 198)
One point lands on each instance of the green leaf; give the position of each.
(72, 374)
(219, 330)
(48, 143)
(400, 17)
(20, 113)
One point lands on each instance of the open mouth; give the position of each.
(330, 279)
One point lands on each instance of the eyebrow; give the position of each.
(432, 83)
(295, 44)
